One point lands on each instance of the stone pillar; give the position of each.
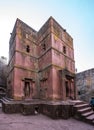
(63, 89)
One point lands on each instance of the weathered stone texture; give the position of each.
(55, 110)
(38, 60)
(3, 76)
(85, 84)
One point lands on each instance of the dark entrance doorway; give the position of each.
(67, 88)
(27, 89)
(68, 84)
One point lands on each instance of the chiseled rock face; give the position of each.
(3, 71)
(85, 84)
(41, 64)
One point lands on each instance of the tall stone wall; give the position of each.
(3, 71)
(38, 59)
(85, 84)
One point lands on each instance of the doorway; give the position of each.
(67, 88)
(27, 89)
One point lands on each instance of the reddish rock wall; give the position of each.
(38, 61)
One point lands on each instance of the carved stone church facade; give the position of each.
(41, 64)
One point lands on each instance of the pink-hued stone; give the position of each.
(41, 64)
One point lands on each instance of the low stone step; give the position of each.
(81, 106)
(5, 99)
(77, 102)
(87, 113)
(85, 110)
(91, 117)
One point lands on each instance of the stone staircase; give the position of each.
(82, 111)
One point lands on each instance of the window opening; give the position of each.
(44, 46)
(79, 93)
(28, 48)
(64, 49)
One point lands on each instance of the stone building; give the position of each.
(85, 84)
(41, 64)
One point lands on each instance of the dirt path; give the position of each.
(39, 122)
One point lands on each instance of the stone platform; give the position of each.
(53, 109)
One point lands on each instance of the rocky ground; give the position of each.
(39, 122)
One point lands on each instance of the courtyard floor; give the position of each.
(39, 122)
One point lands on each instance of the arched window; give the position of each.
(28, 48)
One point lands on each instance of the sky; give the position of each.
(76, 16)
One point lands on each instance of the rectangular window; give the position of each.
(64, 49)
(28, 48)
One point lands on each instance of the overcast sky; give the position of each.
(76, 16)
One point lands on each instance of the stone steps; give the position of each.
(87, 113)
(91, 117)
(5, 99)
(84, 112)
(79, 106)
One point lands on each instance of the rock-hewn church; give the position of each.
(41, 74)
(41, 64)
